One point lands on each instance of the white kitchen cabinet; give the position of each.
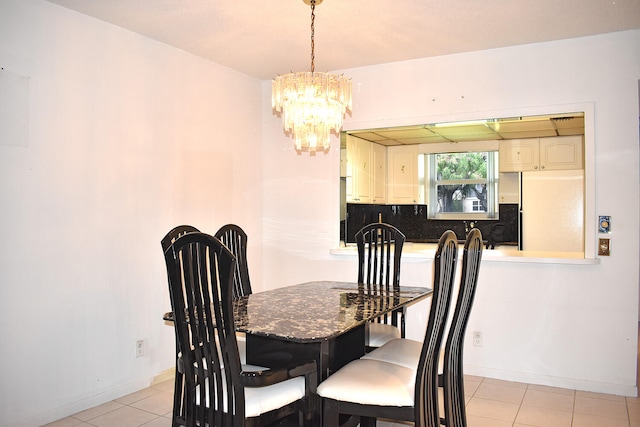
(348, 165)
(561, 153)
(518, 155)
(509, 187)
(402, 174)
(358, 170)
(538, 154)
(379, 173)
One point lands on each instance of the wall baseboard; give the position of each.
(166, 375)
(552, 381)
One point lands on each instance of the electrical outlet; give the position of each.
(477, 339)
(604, 247)
(139, 348)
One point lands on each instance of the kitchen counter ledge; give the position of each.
(416, 252)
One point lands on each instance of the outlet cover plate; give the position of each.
(604, 247)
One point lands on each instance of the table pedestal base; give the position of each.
(330, 354)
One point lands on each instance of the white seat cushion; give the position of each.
(370, 382)
(400, 351)
(403, 352)
(380, 333)
(259, 400)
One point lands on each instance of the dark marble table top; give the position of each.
(316, 311)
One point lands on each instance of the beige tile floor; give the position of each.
(490, 403)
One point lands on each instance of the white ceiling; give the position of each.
(263, 38)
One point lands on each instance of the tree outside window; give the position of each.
(462, 183)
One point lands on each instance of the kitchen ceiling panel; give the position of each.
(400, 133)
(528, 134)
(424, 140)
(568, 122)
(509, 128)
(464, 131)
(371, 136)
(521, 126)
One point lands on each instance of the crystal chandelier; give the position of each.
(312, 104)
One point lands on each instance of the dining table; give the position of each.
(325, 321)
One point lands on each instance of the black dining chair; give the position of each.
(235, 239)
(406, 352)
(379, 252)
(167, 240)
(452, 378)
(178, 393)
(219, 390)
(369, 389)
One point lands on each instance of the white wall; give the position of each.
(564, 325)
(127, 138)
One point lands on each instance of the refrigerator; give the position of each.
(552, 211)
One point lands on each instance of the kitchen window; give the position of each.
(463, 185)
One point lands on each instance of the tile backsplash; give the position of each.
(413, 222)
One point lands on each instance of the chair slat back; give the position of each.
(200, 270)
(174, 233)
(178, 402)
(426, 389)
(379, 254)
(235, 239)
(453, 381)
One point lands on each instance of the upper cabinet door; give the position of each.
(362, 171)
(561, 153)
(402, 185)
(358, 170)
(518, 155)
(379, 173)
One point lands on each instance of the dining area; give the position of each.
(321, 352)
(126, 137)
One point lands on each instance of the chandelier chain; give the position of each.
(313, 19)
